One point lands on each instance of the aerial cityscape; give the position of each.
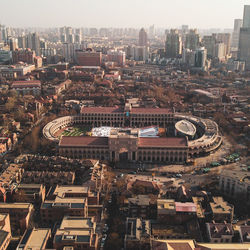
(124, 134)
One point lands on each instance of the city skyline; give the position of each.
(195, 13)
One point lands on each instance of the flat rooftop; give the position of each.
(220, 206)
(16, 205)
(60, 191)
(81, 141)
(102, 110)
(80, 223)
(34, 238)
(173, 142)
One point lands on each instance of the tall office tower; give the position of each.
(200, 58)
(68, 52)
(62, 33)
(173, 44)
(78, 36)
(192, 40)
(246, 17)
(236, 33)
(244, 46)
(3, 33)
(35, 41)
(226, 39)
(184, 29)
(69, 34)
(151, 31)
(244, 40)
(143, 38)
(209, 43)
(13, 43)
(21, 42)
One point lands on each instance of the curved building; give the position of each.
(125, 143)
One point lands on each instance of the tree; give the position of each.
(10, 104)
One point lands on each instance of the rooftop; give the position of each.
(23, 84)
(219, 206)
(16, 205)
(218, 229)
(34, 238)
(186, 127)
(103, 110)
(163, 142)
(150, 111)
(239, 175)
(78, 141)
(185, 207)
(69, 222)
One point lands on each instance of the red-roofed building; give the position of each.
(27, 87)
(125, 145)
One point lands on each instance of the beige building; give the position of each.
(20, 215)
(235, 184)
(5, 231)
(35, 238)
(221, 210)
(76, 232)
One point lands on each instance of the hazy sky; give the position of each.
(121, 13)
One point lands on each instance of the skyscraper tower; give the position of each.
(173, 44)
(143, 38)
(192, 40)
(35, 40)
(246, 16)
(244, 40)
(236, 33)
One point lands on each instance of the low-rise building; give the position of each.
(138, 232)
(175, 212)
(5, 231)
(244, 232)
(27, 87)
(76, 232)
(219, 232)
(235, 184)
(20, 215)
(32, 193)
(53, 210)
(35, 238)
(221, 210)
(141, 206)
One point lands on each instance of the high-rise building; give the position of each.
(152, 31)
(244, 46)
(143, 38)
(21, 42)
(36, 43)
(244, 40)
(200, 58)
(78, 36)
(226, 39)
(192, 40)
(209, 43)
(246, 17)
(33, 42)
(173, 44)
(27, 56)
(13, 43)
(236, 33)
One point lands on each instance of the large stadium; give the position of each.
(133, 134)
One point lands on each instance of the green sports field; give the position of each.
(76, 131)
